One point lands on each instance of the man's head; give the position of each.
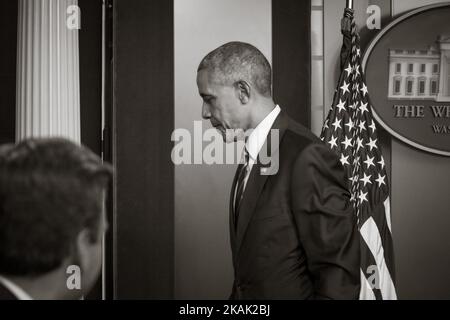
(51, 213)
(231, 80)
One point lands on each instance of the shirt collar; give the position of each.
(258, 136)
(15, 289)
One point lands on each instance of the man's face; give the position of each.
(221, 105)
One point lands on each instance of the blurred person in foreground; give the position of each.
(51, 219)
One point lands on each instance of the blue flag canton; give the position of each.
(351, 132)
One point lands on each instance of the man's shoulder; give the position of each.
(297, 137)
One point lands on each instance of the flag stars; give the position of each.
(357, 70)
(381, 180)
(359, 142)
(363, 108)
(366, 179)
(344, 160)
(381, 163)
(351, 133)
(356, 140)
(345, 88)
(354, 197)
(341, 105)
(349, 69)
(354, 179)
(337, 124)
(347, 143)
(364, 89)
(369, 162)
(362, 126)
(362, 197)
(373, 127)
(372, 144)
(350, 124)
(333, 142)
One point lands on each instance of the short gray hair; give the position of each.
(235, 61)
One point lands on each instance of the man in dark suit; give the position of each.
(292, 227)
(51, 219)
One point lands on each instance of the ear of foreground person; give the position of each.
(51, 219)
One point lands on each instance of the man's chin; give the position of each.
(223, 133)
(228, 136)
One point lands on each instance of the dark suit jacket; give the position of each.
(296, 234)
(5, 294)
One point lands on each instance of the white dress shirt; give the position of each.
(257, 138)
(15, 289)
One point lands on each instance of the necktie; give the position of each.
(240, 185)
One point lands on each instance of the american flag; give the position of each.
(351, 132)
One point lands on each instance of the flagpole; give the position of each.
(350, 4)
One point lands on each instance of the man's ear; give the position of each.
(244, 91)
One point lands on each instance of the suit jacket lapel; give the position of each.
(258, 178)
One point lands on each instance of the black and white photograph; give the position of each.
(224, 154)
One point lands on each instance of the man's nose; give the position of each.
(205, 112)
